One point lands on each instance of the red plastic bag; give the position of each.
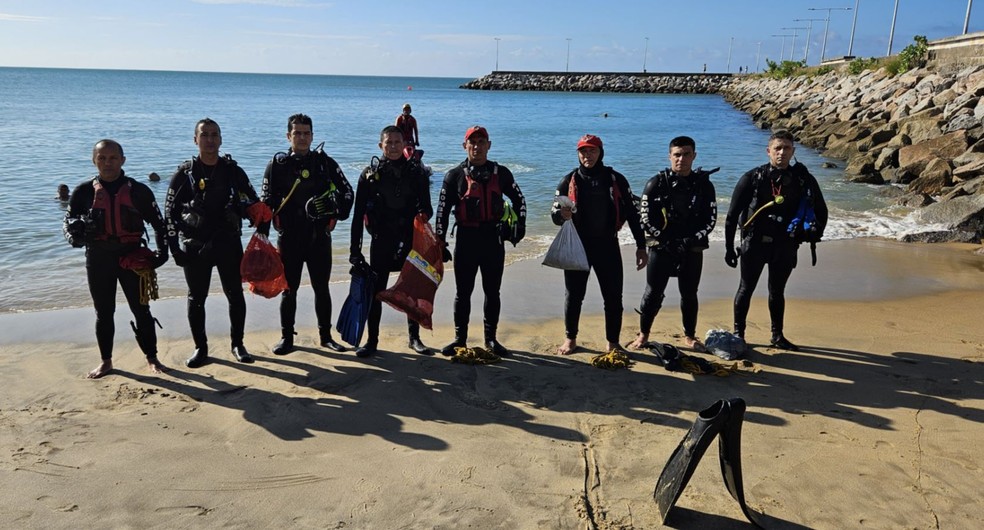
(422, 272)
(262, 268)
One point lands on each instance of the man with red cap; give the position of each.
(602, 204)
(475, 191)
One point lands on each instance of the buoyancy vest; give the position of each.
(482, 201)
(121, 221)
(392, 201)
(616, 197)
(765, 213)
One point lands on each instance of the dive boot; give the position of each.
(328, 342)
(495, 347)
(199, 358)
(415, 344)
(781, 342)
(367, 351)
(241, 354)
(460, 341)
(285, 346)
(685, 458)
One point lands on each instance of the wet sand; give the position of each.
(874, 424)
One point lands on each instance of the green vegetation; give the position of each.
(784, 69)
(861, 64)
(912, 56)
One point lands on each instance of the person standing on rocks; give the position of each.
(678, 211)
(777, 206)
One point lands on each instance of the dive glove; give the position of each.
(731, 257)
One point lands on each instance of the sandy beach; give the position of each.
(874, 424)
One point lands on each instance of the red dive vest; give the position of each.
(616, 198)
(121, 220)
(482, 201)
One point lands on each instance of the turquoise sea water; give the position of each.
(49, 119)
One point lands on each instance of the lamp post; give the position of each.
(645, 56)
(891, 33)
(854, 24)
(730, 46)
(497, 39)
(758, 52)
(792, 47)
(970, 3)
(826, 26)
(568, 67)
(809, 34)
(782, 51)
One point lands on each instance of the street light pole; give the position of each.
(782, 51)
(891, 33)
(497, 39)
(967, 18)
(792, 47)
(758, 52)
(645, 56)
(826, 27)
(809, 34)
(850, 47)
(568, 67)
(730, 46)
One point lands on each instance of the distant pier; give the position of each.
(644, 83)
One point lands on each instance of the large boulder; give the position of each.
(921, 127)
(946, 147)
(933, 178)
(963, 217)
(914, 200)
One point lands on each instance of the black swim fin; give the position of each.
(729, 452)
(685, 458)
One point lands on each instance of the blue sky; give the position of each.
(453, 39)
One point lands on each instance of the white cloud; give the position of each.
(471, 39)
(20, 18)
(319, 36)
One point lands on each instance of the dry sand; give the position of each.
(875, 424)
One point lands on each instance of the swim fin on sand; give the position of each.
(723, 418)
(355, 310)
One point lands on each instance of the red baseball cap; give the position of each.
(476, 130)
(589, 140)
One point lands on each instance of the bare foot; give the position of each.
(156, 367)
(640, 340)
(695, 344)
(104, 368)
(615, 346)
(567, 347)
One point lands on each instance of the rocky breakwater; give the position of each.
(921, 131)
(602, 82)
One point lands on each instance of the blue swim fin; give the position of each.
(355, 310)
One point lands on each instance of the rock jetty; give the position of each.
(921, 131)
(602, 82)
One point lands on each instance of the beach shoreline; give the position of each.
(874, 423)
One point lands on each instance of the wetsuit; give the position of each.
(677, 213)
(289, 183)
(386, 202)
(479, 245)
(408, 125)
(204, 210)
(604, 201)
(767, 240)
(111, 235)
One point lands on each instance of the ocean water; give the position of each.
(49, 119)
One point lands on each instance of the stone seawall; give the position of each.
(602, 82)
(921, 131)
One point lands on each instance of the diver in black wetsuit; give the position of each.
(390, 194)
(765, 203)
(207, 200)
(308, 193)
(602, 203)
(678, 210)
(474, 191)
(106, 215)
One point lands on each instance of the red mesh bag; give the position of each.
(414, 290)
(261, 267)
